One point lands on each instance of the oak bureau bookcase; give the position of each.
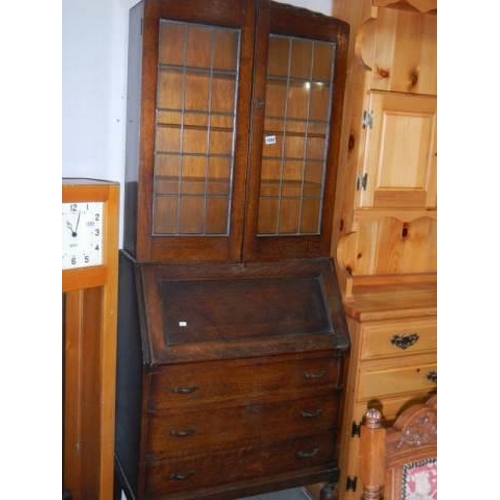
(232, 338)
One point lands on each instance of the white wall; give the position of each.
(94, 69)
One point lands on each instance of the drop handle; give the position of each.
(181, 477)
(187, 389)
(432, 376)
(315, 375)
(182, 433)
(310, 414)
(307, 454)
(404, 340)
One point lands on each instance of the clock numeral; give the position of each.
(97, 217)
(86, 259)
(96, 247)
(97, 232)
(73, 207)
(73, 261)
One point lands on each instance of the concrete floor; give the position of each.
(292, 494)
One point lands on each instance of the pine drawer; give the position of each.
(415, 374)
(398, 338)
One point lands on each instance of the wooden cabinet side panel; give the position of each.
(129, 376)
(390, 246)
(346, 439)
(84, 427)
(133, 127)
(72, 332)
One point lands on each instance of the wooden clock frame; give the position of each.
(89, 343)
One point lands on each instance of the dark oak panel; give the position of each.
(222, 310)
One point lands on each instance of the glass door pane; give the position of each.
(296, 130)
(195, 129)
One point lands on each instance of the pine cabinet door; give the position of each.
(399, 168)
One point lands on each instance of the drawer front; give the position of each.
(398, 338)
(211, 469)
(184, 431)
(190, 384)
(387, 381)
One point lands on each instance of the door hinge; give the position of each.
(350, 483)
(355, 429)
(367, 119)
(362, 181)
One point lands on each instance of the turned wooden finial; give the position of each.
(372, 493)
(373, 418)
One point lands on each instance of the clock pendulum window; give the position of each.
(89, 287)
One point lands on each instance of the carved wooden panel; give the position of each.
(418, 5)
(400, 49)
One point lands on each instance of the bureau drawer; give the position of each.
(405, 379)
(184, 431)
(398, 338)
(189, 384)
(173, 475)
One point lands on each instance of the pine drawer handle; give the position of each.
(185, 389)
(182, 433)
(432, 376)
(404, 340)
(315, 375)
(310, 414)
(307, 454)
(181, 477)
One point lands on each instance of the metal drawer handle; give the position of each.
(307, 454)
(315, 375)
(181, 477)
(183, 433)
(404, 340)
(185, 389)
(310, 414)
(432, 376)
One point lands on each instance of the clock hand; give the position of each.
(70, 227)
(77, 224)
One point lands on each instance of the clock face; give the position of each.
(82, 225)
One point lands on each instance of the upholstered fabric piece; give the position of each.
(420, 480)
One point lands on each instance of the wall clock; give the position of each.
(82, 234)
(90, 287)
